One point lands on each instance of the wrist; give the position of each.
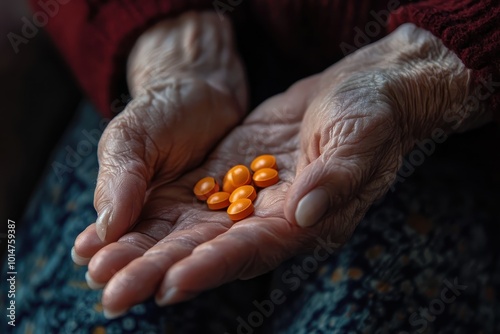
(433, 90)
(194, 45)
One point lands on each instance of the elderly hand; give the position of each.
(189, 89)
(339, 137)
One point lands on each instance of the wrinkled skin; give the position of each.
(189, 90)
(342, 132)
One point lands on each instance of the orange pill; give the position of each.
(205, 187)
(236, 177)
(245, 191)
(240, 209)
(265, 177)
(227, 183)
(240, 175)
(264, 161)
(218, 200)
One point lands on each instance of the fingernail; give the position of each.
(173, 295)
(312, 207)
(77, 259)
(93, 284)
(167, 297)
(101, 224)
(113, 314)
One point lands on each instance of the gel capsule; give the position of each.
(240, 209)
(236, 177)
(243, 192)
(264, 161)
(205, 187)
(218, 200)
(265, 177)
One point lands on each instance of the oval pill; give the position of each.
(240, 209)
(265, 177)
(264, 161)
(218, 200)
(240, 175)
(245, 191)
(236, 177)
(227, 183)
(205, 187)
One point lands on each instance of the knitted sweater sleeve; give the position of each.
(95, 37)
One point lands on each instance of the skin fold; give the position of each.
(339, 137)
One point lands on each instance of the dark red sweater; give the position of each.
(95, 36)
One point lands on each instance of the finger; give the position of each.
(125, 170)
(86, 245)
(140, 278)
(246, 250)
(145, 234)
(319, 188)
(112, 258)
(157, 219)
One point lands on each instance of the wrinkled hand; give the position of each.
(189, 90)
(339, 138)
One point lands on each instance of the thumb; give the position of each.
(349, 149)
(124, 175)
(320, 188)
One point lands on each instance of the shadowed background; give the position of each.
(38, 98)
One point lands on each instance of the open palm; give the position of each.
(180, 248)
(339, 138)
(173, 224)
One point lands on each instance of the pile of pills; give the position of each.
(238, 191)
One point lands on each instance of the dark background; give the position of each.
(37, 99)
